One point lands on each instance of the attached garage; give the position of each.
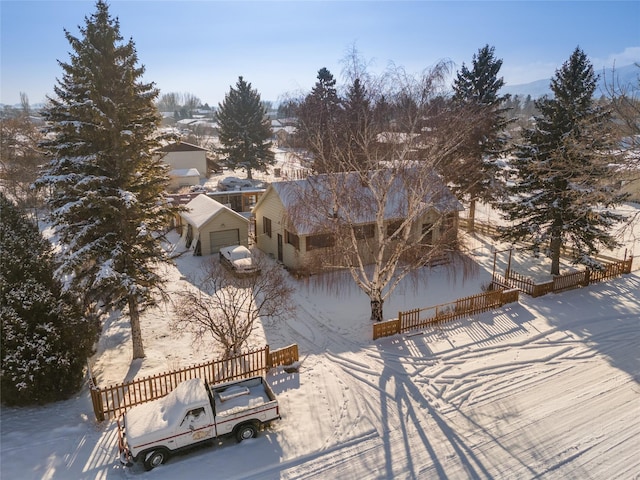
(211, 226)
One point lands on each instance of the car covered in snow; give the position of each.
(234, 183)
(239, 259)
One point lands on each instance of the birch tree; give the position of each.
(373, 209)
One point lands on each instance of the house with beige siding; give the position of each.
(285, 234)
(181, 178)
(183, 156)
(629, 178)
(207, 226)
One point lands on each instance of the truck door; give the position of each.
(195, 427)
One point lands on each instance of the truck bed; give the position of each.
(240, 396)
(255, 397)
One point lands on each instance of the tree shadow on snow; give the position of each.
(435, 434)
(604, 316)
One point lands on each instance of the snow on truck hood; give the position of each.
(165, 412)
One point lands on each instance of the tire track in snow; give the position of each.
(338, 459)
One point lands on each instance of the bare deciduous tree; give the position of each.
(625, 101)
(20, 156)
(226, 307)
(384, 211)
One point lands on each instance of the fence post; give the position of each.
(96, 401)
(96, 395)
(267, 355)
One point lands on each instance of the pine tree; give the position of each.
(106, 186)
(562, 196)
(318, 122)
(45, 341)
(357, 120)
(244, 130)
(474, 169)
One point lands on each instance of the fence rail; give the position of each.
(480, 227)
(463, 307)
(583, 278)
(109, 402)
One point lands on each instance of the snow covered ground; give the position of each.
(546, 388)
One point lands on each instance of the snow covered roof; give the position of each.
(185, 172)
(202, 209)
(322, 188)
(181, 147)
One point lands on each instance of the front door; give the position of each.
(279, 247)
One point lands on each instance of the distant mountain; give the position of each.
(626, 76)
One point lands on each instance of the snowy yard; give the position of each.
(547, 388)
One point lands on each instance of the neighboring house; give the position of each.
(629, 177)
(292, 241)
(207, 226)
(632, 187)
(241, 201)
(282, 132)
(185, 177)
(185, 156)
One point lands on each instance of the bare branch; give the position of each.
(225, 307)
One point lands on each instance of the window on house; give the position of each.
(322, 240)
(363, 232)
(266, 226)
(292, 239)
(450, 221)
(427, 233)
(393, 227)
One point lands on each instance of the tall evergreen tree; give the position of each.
(318, 122)
(474, 168)
(562, 196)
(106, 186)
(244, 130)
(357, 120)
(45, 340)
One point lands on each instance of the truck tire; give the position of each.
(153, 458)
(246, 431)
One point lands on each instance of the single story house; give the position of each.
(286, 230)
(209, 225)
(184, 156)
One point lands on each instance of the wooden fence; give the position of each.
(480, 227)
(109, 402)
(583, 278)
(463, 307)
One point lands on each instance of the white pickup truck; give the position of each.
(193, 413)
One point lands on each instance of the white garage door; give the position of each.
(223, 238)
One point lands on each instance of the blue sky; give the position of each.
(201, 47)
